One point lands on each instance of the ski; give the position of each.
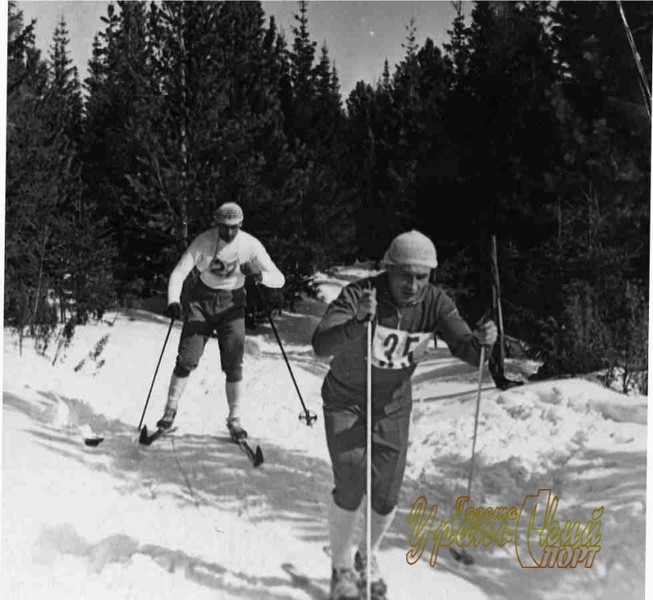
(462, 556)
(145, 439)
(255, 457)
(505, 384)
(93, 441)
(305, 582)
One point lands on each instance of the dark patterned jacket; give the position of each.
(400, 338)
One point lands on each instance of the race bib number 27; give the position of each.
(396, 349)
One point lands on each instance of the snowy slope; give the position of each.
(189, 518)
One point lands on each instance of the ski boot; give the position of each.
(236, 430)
(344, 585)
(168, 418)
(503, 383)
(378, 588)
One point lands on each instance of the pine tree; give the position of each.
(326, 101)
(363, 174)
(457, 50)
(314, 122)
(409, 139)
(386, 81)
(54, 250)
(123, 99)
(504, 100)
(603, 187)
(29, 183)
(83, 280)
(302, 71)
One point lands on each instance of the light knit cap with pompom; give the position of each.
(229, 213)
(411, 249)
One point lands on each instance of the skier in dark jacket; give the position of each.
(407, 312)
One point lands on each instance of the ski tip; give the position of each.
(94, 441)
(462, 556)
(258, 457)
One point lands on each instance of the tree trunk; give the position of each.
(40, 280)
(183, 200)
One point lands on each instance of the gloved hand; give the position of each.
(253, 278)
(366, 306)
(486, 333)
(252, 275)
(173, 311)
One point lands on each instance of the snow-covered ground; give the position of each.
(189, 517)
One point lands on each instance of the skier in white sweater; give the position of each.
(224, 257)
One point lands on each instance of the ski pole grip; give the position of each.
(485, 317)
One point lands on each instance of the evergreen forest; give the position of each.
(530, 125)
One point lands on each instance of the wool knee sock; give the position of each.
(175, 390)
(380, 526)
(233, 390)
(342, 532)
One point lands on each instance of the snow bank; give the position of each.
(584, 442)
(329, 284)
(528, 431)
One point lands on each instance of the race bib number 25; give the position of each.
(396, 349)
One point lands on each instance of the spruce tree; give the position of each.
(123, 95)
(55, 253)
(83, 279)
(30, 181)
(600, 252)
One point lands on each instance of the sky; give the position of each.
(359, 35)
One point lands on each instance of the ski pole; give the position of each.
(155, 372)
(368, 474)
(478, 406)
(308, 416)
(462, 554)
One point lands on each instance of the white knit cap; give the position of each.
(229, 213)
(411, 249)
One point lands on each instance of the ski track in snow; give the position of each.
(188, 517)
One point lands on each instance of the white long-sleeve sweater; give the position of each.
(219, 263)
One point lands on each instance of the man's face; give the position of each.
(407, 282)
(228, 233)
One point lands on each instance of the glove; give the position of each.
(253, 278)
(486, 333)
(366, 306)
(173, 311)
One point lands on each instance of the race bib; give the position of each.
(224, 264)
(396, 349)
